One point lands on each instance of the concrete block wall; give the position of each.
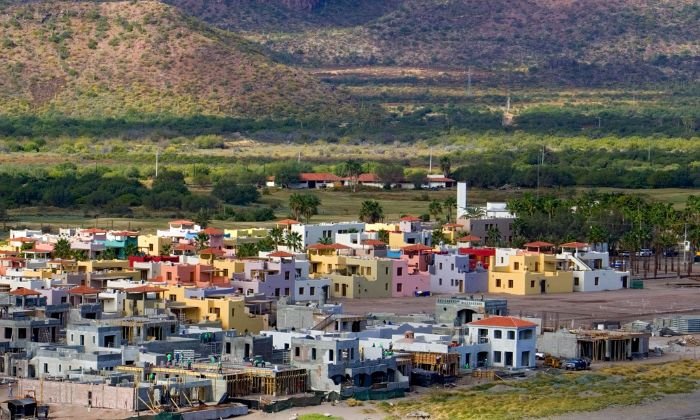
(103, 396)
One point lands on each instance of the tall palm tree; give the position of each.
(62, 249)
(448, 205)
(353, 169)
(445, 165)
(296, 205)
(293, 241)
(435, 209)
(493, 237)
(310, 206)
(276, 236)
(166, 249)
(130, 250)
(201, 240)
(383, 236)
(371, 211)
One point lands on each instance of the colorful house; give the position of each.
(526, 273)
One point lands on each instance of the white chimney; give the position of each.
(461, 199)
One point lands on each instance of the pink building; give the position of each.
(200, 275)
(419, 256)
(216, 237)
(405, 281)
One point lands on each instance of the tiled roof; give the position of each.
(93, 231)
(318, 177)
(23, 291)
(416, 248)
(280, 254)
(181, 222)
(373, 242)
(184, 247)
(144, 289)
(538, 244)
(83, 290)
(368, 178)
(577, 245)
(328, 246)
(440, 179)
(287, 222)
(213, 231)
(124, 233)
(503, 321)
(212, 251)
(410, 219)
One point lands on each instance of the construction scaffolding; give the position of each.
(446, 364)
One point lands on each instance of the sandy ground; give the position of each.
(660, 297)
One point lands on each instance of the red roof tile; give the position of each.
(83, 290)
(416, 248)
(184, 247)
(318, 177)
(538, 244)
(181, 222)
(213, 231)
(328, 246)
(23, 291)
(212, 251)
(504, 322)
(410, 219)
(287, 222)
(280, 254)
(368, 178)
(145, 289)
(577, 245)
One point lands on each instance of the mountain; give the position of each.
(563, 41)
(117, 59)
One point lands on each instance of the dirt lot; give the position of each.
(658, 298)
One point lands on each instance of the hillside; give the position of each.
(590, 42)
(89, 60)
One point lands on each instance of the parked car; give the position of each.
(576, 364)
(624, 253)
(644, 252)
(671, 253)
(618, 264)
(420, 293)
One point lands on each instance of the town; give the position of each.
(165, 321)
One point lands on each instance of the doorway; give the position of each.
(543, 286)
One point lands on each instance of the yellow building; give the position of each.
(230, 311)
(155, 245)
(529, 273)
(351, 277)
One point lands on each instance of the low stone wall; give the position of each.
(98, 395)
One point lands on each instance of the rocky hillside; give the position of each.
(568, 41)
(115, 59)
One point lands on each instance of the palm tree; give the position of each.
(352, 169)
(474, 212)
(383, 236)
(445, 165)
(371, 211)
(201, 240)
(293, 241)
(310, 207)
(435, 209)
(493, 237)
(166, 249)
(246, 250)
(296, 205)
(448, 205)
(326, 240)
(438, 236)
(109, 254)
(62, 249)
(130, 250)
(276, 235)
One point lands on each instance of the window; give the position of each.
(286, 275)
(233, 313)
(440, 266)
(172, 298)
(525, 334)
(297, 351)
(516, 266)
(59, 368)
(511, 335)
(169, 276)
(452, 267)
(532, 283)
(399, 271)
(496, 357)
(22, 333)
(386, 287)
(337, 287)
(399, 287)
(330, 355)
(93, 339)
(596, 281)
(510, 284)
(452, 282)
(82, 340)
(440, 282)
(312, 291)
(537, 266)
(46, 368)
(498, 282)
(286, 291)
(498, 334)
(387, 271)
(575, 281)
(313, 353)
(301, 290)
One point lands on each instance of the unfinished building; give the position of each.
(595, 345)
(460, 310)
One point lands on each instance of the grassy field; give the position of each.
(555, 393)
(335, 206)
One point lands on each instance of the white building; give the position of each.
(312, 234)
(513, 341)
(498, 210)
(311, 290)
(180, 229)
(591, 269)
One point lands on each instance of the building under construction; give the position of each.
(595, 345)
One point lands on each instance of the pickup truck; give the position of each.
(576, 364)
